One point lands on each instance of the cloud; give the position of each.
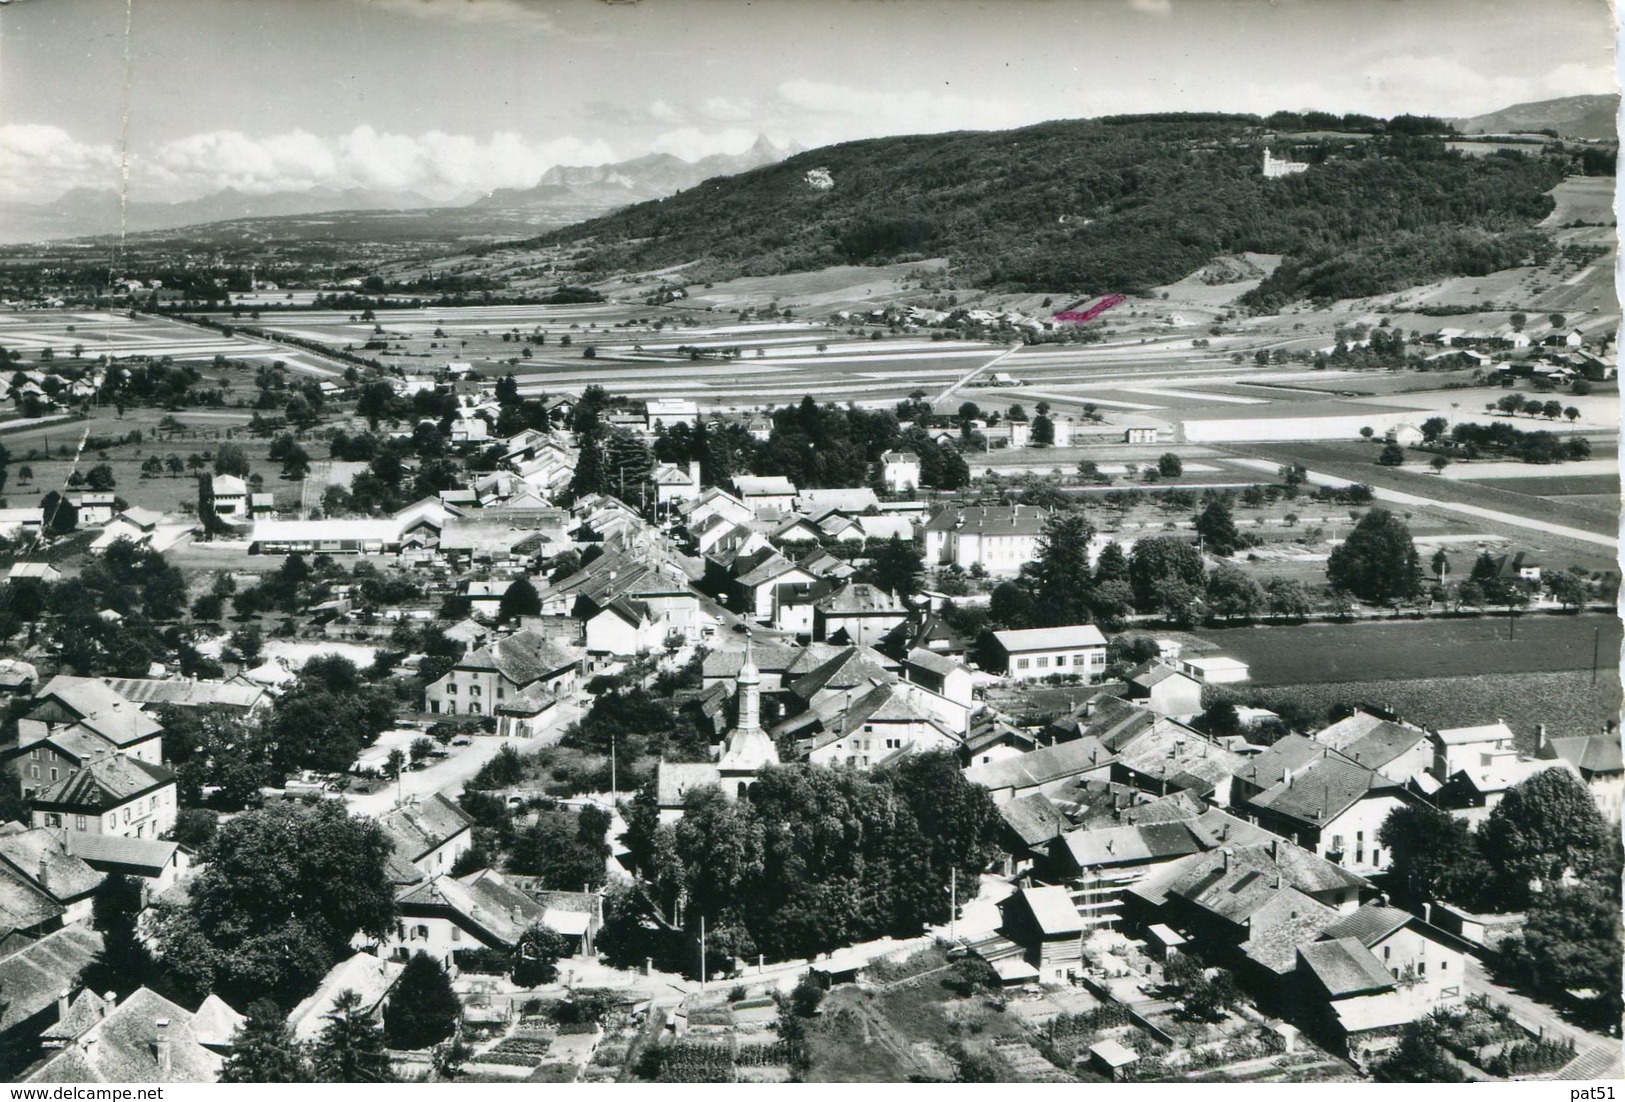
(519, 14)
(31, 153)
(1152, 7)
(833, 112)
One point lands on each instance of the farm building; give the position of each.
(1046, 925)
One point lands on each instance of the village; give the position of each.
(538, 699)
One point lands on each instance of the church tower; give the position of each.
(747, 748)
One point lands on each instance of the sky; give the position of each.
(451, 98)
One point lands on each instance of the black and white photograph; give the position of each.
(588, 542)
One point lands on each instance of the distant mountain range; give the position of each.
(1572, 116)
(564, 194)
(599, 189)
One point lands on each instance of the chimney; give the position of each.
(62, 1005)
(44, 873)
(1275, 849)
(160, 1044)
(1287, 777)
(1540, 737)
(1228, 854)
(111, 999)
(89, 1043)
(1427, 913)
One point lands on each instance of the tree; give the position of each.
(1043, 432)
(1392, 455)
(1543, 827)
(519, 599)
(1434, 856)
(423, 1010)
(1288, 599)
(896, 567)
(231, 459)
(394, 763)
(1158, 561)
(536, 956)
(1217, 527)
(421, 748)
(264, 1049)
(1111, 565)
(101, 478)
(1232, 593)
(1434, 428)
(1571, 942)
(284, 892)
(1170, 465)
(1569, 587)
(152, 467)
(1062, 572)
(1419, 1058)
(1378, 562)
(1441, 564)
(1439, 463)
(351, 1046)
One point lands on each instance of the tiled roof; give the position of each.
(1369, 925)
(856, 598)
(850, 669)
(1129, 845)
(1588, 753)
(1285, 921)
(125, 1052)
(215, 1024)
(932, 662)
(114, 849)
(417, 828)
(363, 973)
(1323, 791)
(31, 852)
(34, 977)
(1033, 819)
(1489, 732)
(104, 783)
(1052, 763)
(84, 1011)
(992, 520)
(1150, 674)
(1290, 753)
(1382, 744)
(100, 708)
(1116, 722)
(766, 568)
(1344, 967)
(144, 691)
(1053, 910)
(522, 657)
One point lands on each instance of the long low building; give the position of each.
(332, 537)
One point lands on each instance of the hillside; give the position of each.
(1570, 117)
(1121, 204)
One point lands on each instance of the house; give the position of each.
(1140, 434)
(900, 471)
(429, 834)
(715, 502)
(764, 582)
(940, 674)
(1029, 826)
(368, 976)
(1596, 758)
(1329, 804)
(485, 595)
(481, 910)
(39, 978)
(770, 492)
(230, 495)
(1473, 791)
(998, 538)
(157, 863)
(39, 571)
(883, 724)
(115, 795)
(745, 750)
(856, 613)
(1043, 921)
(151, 694)
(623, 627)
(33, 860)
(674, 483)
(1164, 689)
(1047, 770)
(144, 1039)
(1169, 757)
(94, 508)
(848, 500)
(74, 719)
(1399, 751)
(17, 678)
(1215, 670)
(482, 679)
(1457, 748)
(1033, 653)
(668, 412)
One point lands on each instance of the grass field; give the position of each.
(1404, 650)
(1561, 486)
(1566, 702)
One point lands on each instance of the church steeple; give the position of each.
(747, 748)
(749, 688)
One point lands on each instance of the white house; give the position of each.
(1038, 652)
(999, 538)
(230, 495)
(484, 678)
(112, 794)
(767, 492)
(900, 471)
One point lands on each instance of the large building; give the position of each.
(1033, 653)
(998, 538)
(112, 794)
(483, 679)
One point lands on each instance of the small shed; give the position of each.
(1114, 1058)
(1164, 942)
(1045, 923)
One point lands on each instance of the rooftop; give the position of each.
(1046, 639)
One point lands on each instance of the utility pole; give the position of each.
(613, 788)
(953, 898)
(702, 954)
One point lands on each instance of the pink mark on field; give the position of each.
(1099, 308)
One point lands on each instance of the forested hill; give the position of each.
(1117, 204)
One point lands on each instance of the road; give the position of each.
(1591, 1049)
(971, 374)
